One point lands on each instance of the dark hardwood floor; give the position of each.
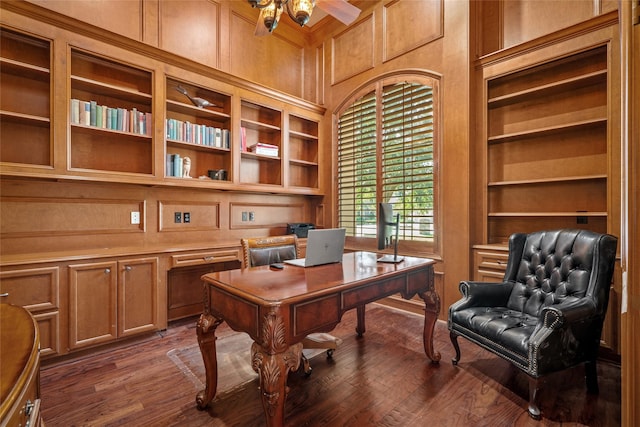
(383, 379)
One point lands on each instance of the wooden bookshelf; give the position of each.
(547, 146)
(25, 99)
(202, 134)
(303, 152)
(260, 124)
(116, 86)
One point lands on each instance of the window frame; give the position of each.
(412, 247)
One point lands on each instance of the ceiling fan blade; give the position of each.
(339, 9)
(261, 29)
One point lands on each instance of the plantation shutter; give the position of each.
(399, 163)
(407, 157)
(357, 167)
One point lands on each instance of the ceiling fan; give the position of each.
(300, 11)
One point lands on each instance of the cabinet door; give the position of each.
(137, 296)
(92, 303)
(37, 290)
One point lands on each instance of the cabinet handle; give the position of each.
(208, 258)
(107, 270)
(4, 294)
(28, 407)
(127, 268)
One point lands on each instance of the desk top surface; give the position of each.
(292, 282)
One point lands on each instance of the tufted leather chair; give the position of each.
(547, 313)
(258, 251)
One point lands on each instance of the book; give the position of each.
(75, 111)
(243, 138)
(92, 113)
(265, 149)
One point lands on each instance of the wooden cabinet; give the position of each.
(185, 295)
(110, 116)
(201, 134)
(490, 262)
(547, 146)
(112, 299)
(37, 289)
(25, 99)
(260, 125)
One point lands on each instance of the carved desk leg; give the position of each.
(431, 311)
(272, 360)
(206, 329)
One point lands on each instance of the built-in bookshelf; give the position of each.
(25, 100)
(124, 91)
(547, 146)
(260, 125)
(201, 134)
(107, 124)
(303, 152)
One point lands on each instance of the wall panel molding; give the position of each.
(263, 214)
(357, 44)
(410, 25)
(43, 217)
(204, 216)
(201, 38)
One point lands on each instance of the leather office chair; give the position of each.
(547, 313)
(267, 250)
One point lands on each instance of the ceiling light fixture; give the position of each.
(298, 10)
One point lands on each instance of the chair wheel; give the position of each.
(329, 353)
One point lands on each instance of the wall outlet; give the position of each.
(177, 217)
(186, 217)
(135, 218)
(245, 216)
(252, 216)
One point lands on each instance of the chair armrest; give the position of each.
(483, 294)
(556, 316)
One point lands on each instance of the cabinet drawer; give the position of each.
(491, 260)
(36, 289)
(208, 257)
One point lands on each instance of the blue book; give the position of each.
(177, 165)
(93, 117)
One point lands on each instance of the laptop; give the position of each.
(324, 246)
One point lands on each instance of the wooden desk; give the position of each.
(19, 368)
(278, 308)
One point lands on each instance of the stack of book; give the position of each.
(199, 134)
(264, 149)
(89, 113)
(174, 165)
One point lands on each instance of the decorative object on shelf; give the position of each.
(300, 11)
(196, 100)
(218, 174)
(186, 167)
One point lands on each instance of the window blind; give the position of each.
(407, 157)
(396, 167)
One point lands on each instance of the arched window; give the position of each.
(387, 144)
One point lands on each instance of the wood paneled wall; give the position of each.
(58, 217)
